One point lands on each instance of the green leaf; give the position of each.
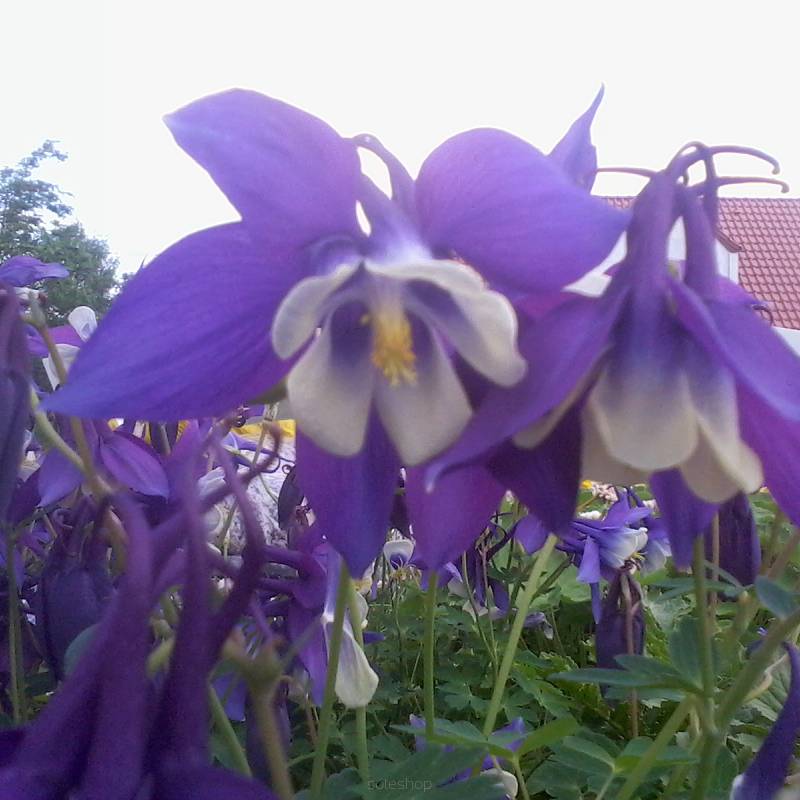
(778, 600)
(420, 777)
(685, 653)
(671, 756)
(552, 732)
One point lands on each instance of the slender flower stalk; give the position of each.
(228, 734)
(326, 714)
(362, 753)
(430, 648)
(528, 593)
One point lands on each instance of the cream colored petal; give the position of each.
(301, 311)
(330, 399)
(423, 418)
(597, 464)
(83, 320)
(645, 421)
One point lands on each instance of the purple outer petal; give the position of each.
(685, 515)
(765, 776)
(589, 571)
(575, 153)
(510, 212)
(293, 179)
(66, 334)
(351, 497)
(447, 520)
(777, 442)
(545, 478)
(188, 337)
(530, 533)
(25, 270)
(759, 358)
(57, 478)
(129, 460)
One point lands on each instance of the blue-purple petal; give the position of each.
(508, 210)
(26, 270)
(188, 337)
(575, 153)
(448, 519)
(293, 179)
(351, 497)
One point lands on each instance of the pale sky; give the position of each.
(99, 76)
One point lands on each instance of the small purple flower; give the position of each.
(22, 271)
(765, 776)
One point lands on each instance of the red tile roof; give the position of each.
(766, 234)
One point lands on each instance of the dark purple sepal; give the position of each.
(739, 545)
(449, 518)
(132, 462)
(611, 634)
(545, 478)
(351, 497)
(685, 515)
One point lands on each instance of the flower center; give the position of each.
(392, 349)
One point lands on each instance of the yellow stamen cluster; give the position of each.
(392, 350)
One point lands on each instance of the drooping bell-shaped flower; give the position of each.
(376, 385)
(75, 584)
(670, 374)
(739, 545)
(621, 627)
(765, 776)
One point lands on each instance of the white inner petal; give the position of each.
(645, 421)
(425, 417)
(598, 464)
(483, 327)
(331, 401)
(302, 309)
(83, 320)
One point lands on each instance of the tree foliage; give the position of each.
(36, 220)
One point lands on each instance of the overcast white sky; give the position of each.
(99, 76)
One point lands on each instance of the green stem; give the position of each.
(271, 741)
(228, 734)
(430, 647)
(16, 665)
(646, 762)
(362, 752)
(492, 651)
(516, 631)
(49, 435)
(704, 644)
(325, 720)
(703, 628)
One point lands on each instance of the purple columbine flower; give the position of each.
(22, 271)
(377, 384)
(765, 776)
(670, 374)
(739, 545)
